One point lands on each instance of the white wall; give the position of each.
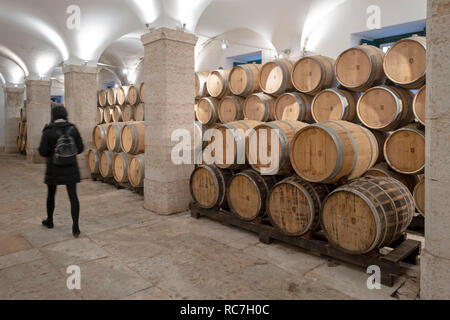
(332, 31)
(2, 118)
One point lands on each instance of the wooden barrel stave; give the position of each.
(133, 137)
(293, 106)
(334, 104)
(93, 161)
(312, 74)
(99, 136)
(230, 109)
(106, 164)
(218, 83)
(121, 162)
(275, 77)
(259, 107)
(244, 79)
(113, 137)
(136, 170)
(207, 112)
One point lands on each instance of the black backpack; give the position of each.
(65, 153)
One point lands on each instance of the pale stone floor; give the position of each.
(126, 252)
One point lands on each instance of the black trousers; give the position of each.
(74, 203)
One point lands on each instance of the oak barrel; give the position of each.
(133, 97)
(122, 94)
(312, 74)
(117, 114)
(405, 62)
(385, 108)
(404, 149)
(121, 162)
(419, 104)
(381, 138)
(23, 114)
(360, 67)
(230, 109)
(419, 196)
(139, 112)
(113, 134)
(133, 137)
(382, 169)
(106, 160)
(108, 114)
(244, 79)
(367, 214)
(207, 111)
(294, 106)
(329, 151)
(99, 136)
(128, 112)
(100, 115)
(142, 92)
(275, 160)
(275, 77)
(93, 161)
(260, 107)
(247, 193)
(334, 104)
(136, 171)
(102, 99)
(200, 83)
(111, 96)
(294, 205)
(218, 83)
(208, 186)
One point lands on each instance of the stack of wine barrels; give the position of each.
(320, 143)
(22, 131)
(119, 137)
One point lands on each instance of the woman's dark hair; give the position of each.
(59, 112)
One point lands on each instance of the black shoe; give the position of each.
(76, 231)
(48, 223)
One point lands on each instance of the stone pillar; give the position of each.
(38, 115)
(80, 99)
(169, 81)
(435, 261)
(13, 103)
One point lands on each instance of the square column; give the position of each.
(169, 105)
(80, 100)
(38, 115)
(13, 103)
(435, 260)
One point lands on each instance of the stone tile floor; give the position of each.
(126, 252)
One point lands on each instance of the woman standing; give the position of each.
(60, 138)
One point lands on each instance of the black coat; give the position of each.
(57, 175)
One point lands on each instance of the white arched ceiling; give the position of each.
(11, 72)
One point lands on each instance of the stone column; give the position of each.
(435, 261)
(13, 103)
(38, 115)
(169, 81)
(80, 99)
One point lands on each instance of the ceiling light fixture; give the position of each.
(225, 44)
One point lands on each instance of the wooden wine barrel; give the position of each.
(100, 116)
(122, 94)
(247, 193)
(218, 83)
(208, 186)
(385, 108)
(382, 169)
(367, 214)
(207, 112)
(334, 104)
(294, 205)
(404, 150)
(381, 138)
(117, 114)
(23, 114)
(111, 96)
(93, 161)
(293, 106)
(113, 135)
(234, 135)
(142, 92)
(275, 77)
(120, 166)
(284, 132)
(312, 74)
(230, 109)
(108, 114)
(133, 97)
(102, 98)
(99, 136)
(106, 160)
(330, 151)
(139, 112)
(128, 112)
(244, 79)
(259, 107)
(405, 62)
(133, 137)
(419, 195)
(136, 171)
(359, 68)
(200, 84)
(419, 104)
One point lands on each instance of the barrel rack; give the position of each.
(118, 185)
(402, 254)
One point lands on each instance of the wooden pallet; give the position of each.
(118, 185)
(402, 253)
